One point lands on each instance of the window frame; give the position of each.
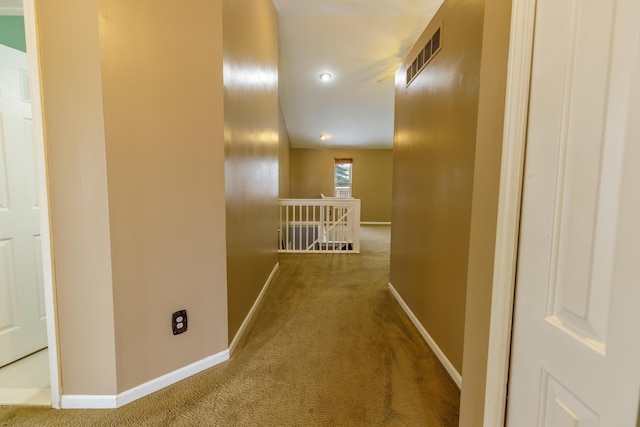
(339, 191)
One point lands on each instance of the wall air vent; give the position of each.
(433, 46)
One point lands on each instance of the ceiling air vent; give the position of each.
(425, 56)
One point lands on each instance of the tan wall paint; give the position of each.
(165, 154)
(75, 144)
(493, 75)
(312, 174)
(433, 169)
(251, 146)
(160, 227)
(284, 159)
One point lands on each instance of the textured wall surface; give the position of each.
(251, 140)
(135, 156)
(312, 174)
(433, 169)
(284, 160)
(165, 156)
(12, 32)
(79, 209)
(493, 77)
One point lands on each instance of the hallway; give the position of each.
(328, 346)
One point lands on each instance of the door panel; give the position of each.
(562, 408)
(31, 163)
(37, 255)
(566, 368)
(22, 320)
(578, 300)
(8, 290)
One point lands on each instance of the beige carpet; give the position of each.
(329, 346)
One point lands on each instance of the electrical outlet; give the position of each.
(179, 322)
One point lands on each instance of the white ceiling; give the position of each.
(361, 43)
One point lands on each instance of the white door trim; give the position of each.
(41, 177)
(513, 151)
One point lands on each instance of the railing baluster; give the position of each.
(316, 229)
(308, 247)
(333, 227)
(286, 227)
(322, 225)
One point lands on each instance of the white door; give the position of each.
(22, 309)
(576, 342)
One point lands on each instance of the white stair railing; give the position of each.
(329, 224)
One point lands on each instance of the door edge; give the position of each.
(509, 199)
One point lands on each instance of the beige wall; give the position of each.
(312, 174)
(75, 143)
(163, 118)
(433, 174)
(135, 120)
(135, 160)
(251, 145)
(446, 183)
(284, 159)
(486, 184)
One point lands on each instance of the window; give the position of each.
(342, 177)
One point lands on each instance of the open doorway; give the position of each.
(25, 374)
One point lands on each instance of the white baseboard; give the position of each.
(374, 223)
(457, 378)
(247, 319)
(82, 401)
(116, 401)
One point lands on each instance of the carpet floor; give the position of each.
(328, 346)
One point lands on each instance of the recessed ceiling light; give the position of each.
(324, 137)
(325, 77)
